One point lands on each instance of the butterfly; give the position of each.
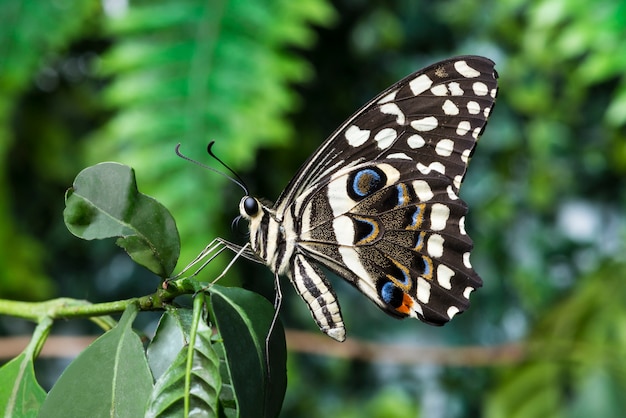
(377, 203)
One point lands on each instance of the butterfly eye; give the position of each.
(250, 206)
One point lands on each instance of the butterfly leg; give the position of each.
(212, 250)
(277, 303)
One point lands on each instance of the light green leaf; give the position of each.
(20, 394)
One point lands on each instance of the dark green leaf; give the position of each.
(104, 202)
(110, 378)
(203, 374)
(243, 319)
(20, 394)
(171, 335)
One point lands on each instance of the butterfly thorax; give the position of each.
(268, 234)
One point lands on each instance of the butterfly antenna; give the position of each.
(240, 180)
(237, 180)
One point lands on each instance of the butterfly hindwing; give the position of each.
(378, 202)
(400, 238)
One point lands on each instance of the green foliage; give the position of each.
(236, 371)
(110, 378)
(34, 33)
(250, 363)
(209, 70)
(574, 365)
(20, 393)
(178, 391)
(104, 202)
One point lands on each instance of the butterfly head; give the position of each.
(253, 211)
(249, 207)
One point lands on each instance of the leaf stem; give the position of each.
(63, 308)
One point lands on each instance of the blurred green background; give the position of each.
(88, 81)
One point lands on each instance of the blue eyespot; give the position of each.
(389, 293)
(365, 182)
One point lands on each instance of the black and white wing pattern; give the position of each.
(378, 202)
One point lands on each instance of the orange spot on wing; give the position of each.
(407, 305)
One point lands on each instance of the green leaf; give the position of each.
(243, 319)
(110, 378)
(171, 335)
(20, 394)
(104, 202)
(195, 373)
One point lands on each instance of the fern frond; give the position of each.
(195, 71)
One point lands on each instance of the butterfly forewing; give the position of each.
(378, 202)
(433, 117)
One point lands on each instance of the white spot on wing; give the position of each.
(368, 288)
(455, 89)
(436, 166)
(445, 147)
(465, 156)
(385, 137)
(452, 310)
(457, 181)
(451, 194)
(480, 88)
(422, 190)
(494, 92)
(338, 199)
(449, 108)
(466, 260)
(439, 215)
(420, 84)
(399, 156)
(344, 230)
(417, 308)
(306, 222)
(393, 109)
(415, 141)
(467, 292)
(444, 275)
(351, 260)
(486, 112)
(462, 226)
(463, 128)
(476, 132)
(465, 70)
(388, 98)
(425, 124)
(356, 137)
(423, 290)
(439, 90)
(435, 246)
(473, 107)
